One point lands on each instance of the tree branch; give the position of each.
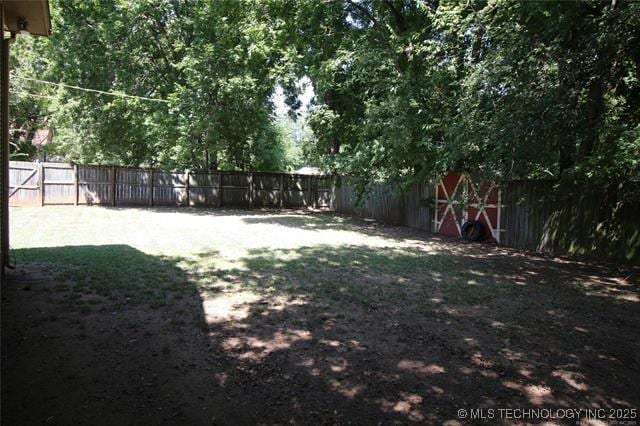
(364, 12)
(401, 24)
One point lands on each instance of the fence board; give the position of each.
(132, 186)
(94, 185)
(199, 179)
(204, 189)
(235, 196)
(235, 179)
(201, 196)
(58, 182)
(169, 188)
(383, 203)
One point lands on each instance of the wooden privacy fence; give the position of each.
(387, 204)
(583, 223)
(39, 184)
(589, 224)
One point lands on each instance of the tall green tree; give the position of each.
(405, 89)
(210, 60)
(410, 89)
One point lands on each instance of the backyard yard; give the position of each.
(150, 316)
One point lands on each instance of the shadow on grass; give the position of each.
(120, 272)
(100, 335)
(421, 335)
(323, 221)
(321, 334)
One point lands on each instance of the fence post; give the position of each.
(251, 189)
(220, 190)
(333, 193)
(150, 187)
(498, 214)
(41, 182)
(188, 188)
(281, 190)
(113, 185)
(309, 191)
(75, 184)
(315, 192)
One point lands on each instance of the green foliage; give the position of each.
(211, 61)
(27, 114)
(405, 90)
(507, 90)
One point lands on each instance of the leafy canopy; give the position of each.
(405, 89)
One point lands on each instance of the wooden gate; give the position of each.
(25, 184)
(459, 199)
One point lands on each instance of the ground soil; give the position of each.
(407, 328)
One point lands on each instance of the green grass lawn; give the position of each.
(382, 323)
(146, 256)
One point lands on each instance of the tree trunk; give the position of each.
(566, 74)
(334, 143)
(400, 23)
(334, 147)
(206, 159)
(594, 111)
(476, 48)
(213, 160)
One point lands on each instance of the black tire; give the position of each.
(473, 230)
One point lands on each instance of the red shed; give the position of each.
(459, 199)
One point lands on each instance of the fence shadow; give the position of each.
(233, 211)
(322, 221)
(329, 220)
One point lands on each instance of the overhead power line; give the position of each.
(68, 86)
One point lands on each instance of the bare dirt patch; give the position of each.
(227, 317)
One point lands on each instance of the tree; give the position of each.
(508, 90)
(210, 61)
(405, 89)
